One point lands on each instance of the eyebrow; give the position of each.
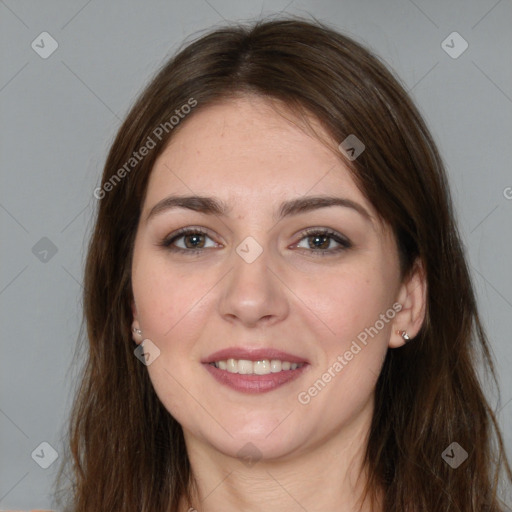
(214, 206)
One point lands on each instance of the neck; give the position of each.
(327, 476)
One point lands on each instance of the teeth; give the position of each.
(275, 366)
(245, 367)
(261, 367)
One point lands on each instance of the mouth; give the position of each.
(254, 371)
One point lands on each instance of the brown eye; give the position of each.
(319, 241)
(196, 240)
(193, 240)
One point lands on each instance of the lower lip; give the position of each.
(254, 383)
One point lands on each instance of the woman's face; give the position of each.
(253, 292)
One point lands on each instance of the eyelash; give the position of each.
(344, 242)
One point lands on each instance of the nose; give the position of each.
(254, 293)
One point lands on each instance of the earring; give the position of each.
(404, 335)
(138, 332)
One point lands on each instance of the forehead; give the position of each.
(243, 150)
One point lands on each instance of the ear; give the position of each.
(412, 296)
(135, 325)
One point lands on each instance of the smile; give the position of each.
(250, 370)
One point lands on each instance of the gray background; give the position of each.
(60, 115)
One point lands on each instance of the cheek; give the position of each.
(347, 301)
(170, 312)
(165, 295)
(353, 353)
(352, 337)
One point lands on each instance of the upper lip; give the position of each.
(252, 354)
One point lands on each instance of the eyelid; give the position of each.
(179, 233)
(343, 242)
(325, 231)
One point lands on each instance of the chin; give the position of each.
(258, 439)
(250, 449)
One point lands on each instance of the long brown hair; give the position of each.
(127, 453)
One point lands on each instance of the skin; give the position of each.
(247, 154)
